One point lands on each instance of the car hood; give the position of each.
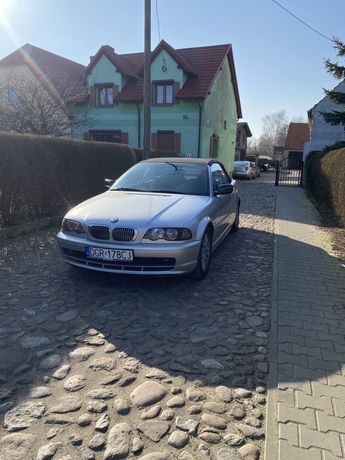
(139, 209)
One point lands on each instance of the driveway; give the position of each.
(97, 366)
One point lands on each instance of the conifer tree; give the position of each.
(336, 117)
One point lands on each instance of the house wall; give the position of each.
(322, 133)
(105, 72)
(172, 71)
(220, 105)
(182, 118)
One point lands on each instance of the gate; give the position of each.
(289, 172)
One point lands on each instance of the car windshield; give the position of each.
(165, 177)
(241, 163)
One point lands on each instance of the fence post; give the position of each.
(301, 172)
(277, 174)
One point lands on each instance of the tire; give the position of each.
(236, 224)
(204, 256)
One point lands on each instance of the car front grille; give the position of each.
(123, 234)
(100, 232)
(139, 264)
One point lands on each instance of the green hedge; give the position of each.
(325, 178)
(43, 176)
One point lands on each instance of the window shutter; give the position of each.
(154, 141)
(124, 138)
(176, 90)
(177, 142)
(86, 136)
(92, 96)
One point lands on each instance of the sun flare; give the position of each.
(4, 5)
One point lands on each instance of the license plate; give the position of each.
(109, 254)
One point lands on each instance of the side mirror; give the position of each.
(225, 189)
(108, 182)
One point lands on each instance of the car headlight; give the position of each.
(72, 226)
(168, 234)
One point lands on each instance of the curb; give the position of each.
(271, 444)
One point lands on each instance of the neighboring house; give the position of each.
(297, 135)
(322, 133)
(31, 72)
(242, 134)
(195, 100)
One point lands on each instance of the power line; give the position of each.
(300, 20)
(159, 28)
(159, 32)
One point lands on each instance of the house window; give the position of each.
(225, 124)
(214, 146)
(105, 136)
(164, 93)
(12, 95)
(105, 96)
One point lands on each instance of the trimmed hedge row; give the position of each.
(44, 176)
(325, 178)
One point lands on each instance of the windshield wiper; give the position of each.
(164, 191)
(126, 189)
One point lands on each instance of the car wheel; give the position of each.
(236, 223)
(204, 256)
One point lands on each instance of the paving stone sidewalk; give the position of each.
(307, 356)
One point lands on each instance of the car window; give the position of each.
(169, 177)
(219, 176)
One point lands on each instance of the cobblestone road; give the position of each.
(96, 366)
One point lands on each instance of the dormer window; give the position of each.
(164, 93)
(105, 95)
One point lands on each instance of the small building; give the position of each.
(195, 100)
(242, 134)
(322, 133)
(297, 135)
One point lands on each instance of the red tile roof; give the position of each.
(297, 135)
(45, 64)
(119, 62)
(175, 54)
(201, 64)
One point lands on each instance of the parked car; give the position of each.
(163, 216)
(244, 170)
(256, 168)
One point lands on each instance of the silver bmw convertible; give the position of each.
(163, 216)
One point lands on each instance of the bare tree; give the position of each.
(41, 106)
(274, 132)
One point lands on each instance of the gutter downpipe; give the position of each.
(199, 130)
(138, 109)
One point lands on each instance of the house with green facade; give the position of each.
(195, 100)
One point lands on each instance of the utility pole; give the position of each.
(147, 82)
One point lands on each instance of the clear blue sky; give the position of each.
(279, 62)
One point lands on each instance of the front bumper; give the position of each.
(149, 258)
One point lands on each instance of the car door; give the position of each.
(224, 205)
